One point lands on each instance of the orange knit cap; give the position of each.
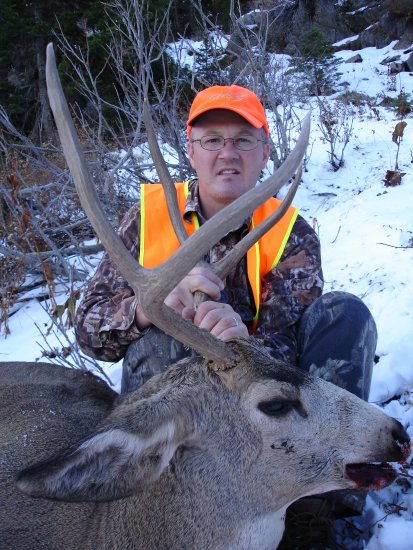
(233, 98)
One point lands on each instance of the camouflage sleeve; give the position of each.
(288, 290)
(104, 323)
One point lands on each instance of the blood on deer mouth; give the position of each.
(371, 476)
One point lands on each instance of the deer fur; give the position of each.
(193, 459)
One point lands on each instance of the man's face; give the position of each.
(226, 174)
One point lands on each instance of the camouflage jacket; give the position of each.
(104, 324)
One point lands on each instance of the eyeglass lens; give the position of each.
(214, 143)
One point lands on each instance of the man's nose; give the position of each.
(229, 148)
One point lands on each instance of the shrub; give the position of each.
(317, 63)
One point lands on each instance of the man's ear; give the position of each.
(190, 150)
(266, 154)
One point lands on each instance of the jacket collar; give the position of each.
(193, 206)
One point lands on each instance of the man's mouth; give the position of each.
(227, 171)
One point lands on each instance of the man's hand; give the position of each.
(217, 318)
(181, 297)
(199, 278)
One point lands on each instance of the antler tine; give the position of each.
(78, 168)
(225, 266)
(164, 176)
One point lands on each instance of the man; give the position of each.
(108, 320)
(332, 335)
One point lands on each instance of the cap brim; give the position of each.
(247, 116)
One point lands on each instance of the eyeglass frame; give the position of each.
(233, 139)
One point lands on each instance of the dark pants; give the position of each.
(336, 341)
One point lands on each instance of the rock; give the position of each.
(359, 17)
(350, 43)
(409, 62)
(399, 7)
(406, 39)
(386, 30)
(372, 22)
(355, 59)
(397, 67)
(388, 60)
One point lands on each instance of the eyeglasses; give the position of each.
(215, 143)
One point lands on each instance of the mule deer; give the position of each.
(206, 455)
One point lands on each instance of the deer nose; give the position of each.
(403, 441)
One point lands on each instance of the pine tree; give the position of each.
(27, 27)
(317, 63)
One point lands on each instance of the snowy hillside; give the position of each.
(366, 231)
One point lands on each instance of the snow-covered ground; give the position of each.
(366, 231)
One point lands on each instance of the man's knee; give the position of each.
(337, 340)
(140, 363)
(337, 308)
(151, 354)
(346, 302)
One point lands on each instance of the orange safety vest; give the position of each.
(158, 240)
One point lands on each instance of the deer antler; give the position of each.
(152, 286)
(164, 177)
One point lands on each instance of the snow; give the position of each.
(346, 40)
(184, 51)
(366, 232)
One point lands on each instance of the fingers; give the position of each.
(217, 318)
(220, 320)
(199, 278)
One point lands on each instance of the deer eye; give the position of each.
(276, 407)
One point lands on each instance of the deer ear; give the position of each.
(110, 464)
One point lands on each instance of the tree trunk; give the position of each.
(44, 126)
